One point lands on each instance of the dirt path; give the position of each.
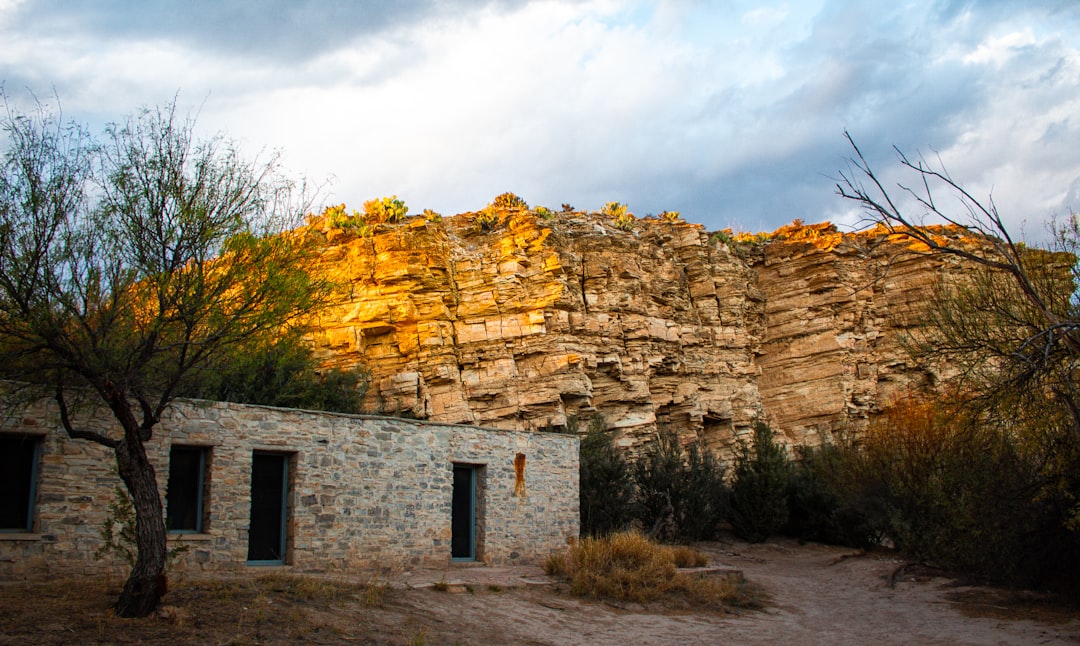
(818, 595)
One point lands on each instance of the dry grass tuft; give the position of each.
(627, 566)
(688, 557)
(312, 588)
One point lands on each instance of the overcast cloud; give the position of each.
(731, 112)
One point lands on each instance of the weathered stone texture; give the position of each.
(540, 320)
(660, 326)
(364, 491)
(839, 307)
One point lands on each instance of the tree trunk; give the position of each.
(147, 582)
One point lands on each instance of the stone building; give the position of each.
(251, 485)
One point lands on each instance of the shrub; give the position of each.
(118, 529)
(758, 507)
(385, 209)
(671, 216)
(606, 490)
(629, 567)
(679, 497)
(613, 209)
(704, 495)
(687, 557)
(959, 491)
(618, 212)
(485, 220)
(544, 213)
(831, 501)
(509, 202)
(279, 371)
(432, 216)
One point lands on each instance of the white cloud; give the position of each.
(1000, 49)
(729, 112)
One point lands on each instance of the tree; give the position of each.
(1011, 327)
(1014, 326)
(127, 264)
(680, 492)
(759, 487)
(280, 371)
(606, 491)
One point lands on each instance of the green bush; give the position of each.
(680, 497)
(279, 371)
(959, 492)
(606, 491)
(509, 202)
(758, 507)
(385, 209)
(704, 496)
(485, 220)
(953, 487)
(618, 212)
(829, 502)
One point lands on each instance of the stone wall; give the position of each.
(363, 490)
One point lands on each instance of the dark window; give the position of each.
(186, 489)
(18, 473)
(269, 496)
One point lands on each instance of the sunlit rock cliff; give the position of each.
(528, 321)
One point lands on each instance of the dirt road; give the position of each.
(818, 595)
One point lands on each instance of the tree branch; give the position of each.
(76, 434)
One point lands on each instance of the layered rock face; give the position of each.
(662, 326)
(537, 321)
(839, 308)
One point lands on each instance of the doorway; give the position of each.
(269, 498)
(463, 512)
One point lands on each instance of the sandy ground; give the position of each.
(816, 595)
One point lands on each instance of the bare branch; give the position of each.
(77, 434)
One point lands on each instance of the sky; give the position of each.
(731, 112)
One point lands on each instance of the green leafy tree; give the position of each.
(280, 370)
(759, 487)
(127, 265)
(606, 490)
(680, 494)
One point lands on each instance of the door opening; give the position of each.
(463, 513)
(269, 495)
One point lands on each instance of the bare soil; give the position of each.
(812, 594)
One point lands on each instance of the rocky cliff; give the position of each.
(527, 321)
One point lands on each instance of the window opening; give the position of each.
(18, 482)
(184, 496)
